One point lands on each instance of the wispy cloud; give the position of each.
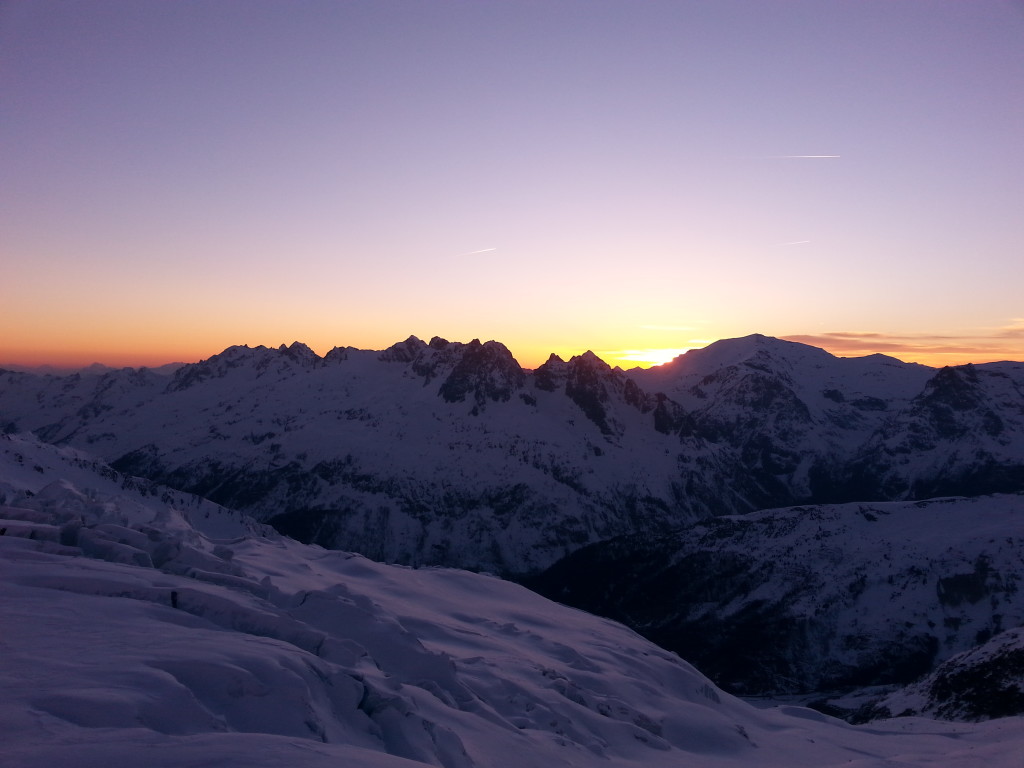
(985, 345)
(1015, 330)
(473, 253)
(797, 157)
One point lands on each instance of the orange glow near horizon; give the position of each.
(73, 358)
(74, 346)
(645, 358)
(936, 351)
(68, 359)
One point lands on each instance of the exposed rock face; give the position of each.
(596, 388)
(813, 598)
(962, 434)
(982, 683)
(484, 372)
(403, 351)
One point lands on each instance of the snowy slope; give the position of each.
(794, 412)
(133, 637)
(964, 433)
(814, 598)
(982, 683)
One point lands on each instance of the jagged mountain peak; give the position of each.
(589, 355)
(250, 361)
(550, 375)
(589, 359)
(403, 351)
(553, 371)
(486, 371)
(300, 353)
(338, 354)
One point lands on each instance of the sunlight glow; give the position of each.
(644, 358)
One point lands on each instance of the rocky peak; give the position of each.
(956, 388)
(300, 353)
(214, 367)
(485, 371)
(588, 358)
(337, 354)
(551, 375)
(404, 351)
(591, 383)
(954, 405)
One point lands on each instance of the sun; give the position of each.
(643, 358)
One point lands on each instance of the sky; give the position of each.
(632, 178)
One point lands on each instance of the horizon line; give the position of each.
(932, 350)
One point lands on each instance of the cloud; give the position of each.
(1013, 331)
(987, 345)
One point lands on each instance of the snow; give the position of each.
(234, 646)
(376, 452)
(980, 683)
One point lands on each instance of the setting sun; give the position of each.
(644, 358)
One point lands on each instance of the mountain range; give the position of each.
(451, 454)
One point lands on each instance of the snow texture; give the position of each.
(144, 627)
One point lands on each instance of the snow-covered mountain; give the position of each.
(982, 683)
(963, 434)
(813, 598)
(445, 453)
(145, 627)
(854, 429)
(452, 454)
(440, 453)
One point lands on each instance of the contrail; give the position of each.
(795, 242)
(472, 253)
(804, 157)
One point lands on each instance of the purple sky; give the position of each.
(182, 176)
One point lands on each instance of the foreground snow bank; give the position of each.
(146, 629)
